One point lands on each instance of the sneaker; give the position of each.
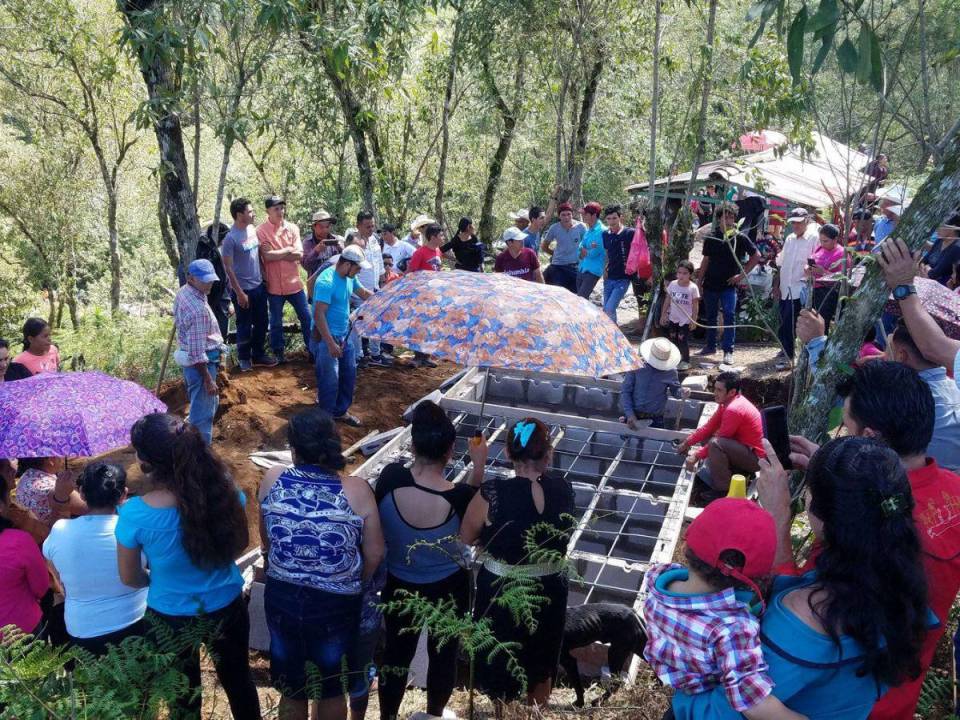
(381, 361)
(427, 363)
(683, 365)
(265, 361)
(707, 351)
(363, 362)
(782, 364)
(348, 419)
(728, 358)
(244, 365)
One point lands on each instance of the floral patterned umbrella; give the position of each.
(70, 414)
(493, 320)
(940, 301)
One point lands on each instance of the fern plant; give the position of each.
(134, 680)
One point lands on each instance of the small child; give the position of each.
(680, 310)
(701, 632)
(389, 274)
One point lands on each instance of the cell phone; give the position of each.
(775, 430)
(811, 262)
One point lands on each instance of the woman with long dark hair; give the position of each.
(464, 248)
(321, 540)
(418, 505)
(838, 636)
(191, 527)
(509, 518)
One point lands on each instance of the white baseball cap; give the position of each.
(513, 233)
(354, 255)
(521, 214)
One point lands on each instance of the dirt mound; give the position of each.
(255, 407)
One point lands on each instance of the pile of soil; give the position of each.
(256, 405)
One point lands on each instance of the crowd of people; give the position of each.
(850, 632)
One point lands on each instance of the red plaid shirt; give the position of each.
(696, 642)
(197, 328)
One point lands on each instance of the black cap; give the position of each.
(388, 227)
(273, 201)
(861, 214)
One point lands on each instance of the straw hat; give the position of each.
(660, 353)
(420, 221)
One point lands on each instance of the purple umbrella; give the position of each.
(941, 302)
(70, 414)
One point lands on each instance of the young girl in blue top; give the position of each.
(191, 527)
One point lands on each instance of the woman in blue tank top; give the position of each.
(418, 504)
(321, 539)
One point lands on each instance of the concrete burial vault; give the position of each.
(631, 487)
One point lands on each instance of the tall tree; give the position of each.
(75, 77)
(155, 29)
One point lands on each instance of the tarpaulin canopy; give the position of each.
(830, 173)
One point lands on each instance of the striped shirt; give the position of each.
(197, 329)
(699, 642)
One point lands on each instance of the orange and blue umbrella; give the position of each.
(70, 414)
(494, 320)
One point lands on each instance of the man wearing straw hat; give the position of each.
(644, 392)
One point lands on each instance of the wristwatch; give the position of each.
(902, 292)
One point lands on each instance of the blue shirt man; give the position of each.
(336, 363)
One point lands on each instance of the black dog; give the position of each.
(605, 623)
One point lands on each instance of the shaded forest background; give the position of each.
(467, 107)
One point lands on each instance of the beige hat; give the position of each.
(321, 215)
(521, 214)
(660, 353)
(420, 221)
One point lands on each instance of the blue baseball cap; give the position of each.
(203, 271)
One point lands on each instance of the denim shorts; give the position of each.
(313, 640)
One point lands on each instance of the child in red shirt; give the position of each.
(427, 256)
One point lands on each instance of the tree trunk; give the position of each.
(114, 237)
(350, 108)
(51, 307)
(508, 115)
(222, 180)
(814, 397)
(180, 200)
(169, 244)
(196, 134)
(578, 156)
(445, 125)
(706, 77)
(655, 102)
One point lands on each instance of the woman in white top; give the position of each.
(100, 610)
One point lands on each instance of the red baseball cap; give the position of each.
(564, 207)
(594, 208)
(735, 524)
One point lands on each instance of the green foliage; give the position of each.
(134, 680)
(125, 346)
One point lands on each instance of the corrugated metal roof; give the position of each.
(830, 173)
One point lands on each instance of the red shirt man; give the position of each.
(733, 437)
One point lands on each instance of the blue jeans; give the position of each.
(313, 639)
(251, 323)
(203, 406)
(613, 292)
(299, 302)
(789, 311)
(336, 377)
(726, 300)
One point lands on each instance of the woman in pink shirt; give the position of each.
(23, 573)
(39, 353)
(827, 260)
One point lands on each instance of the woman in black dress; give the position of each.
(502, 518)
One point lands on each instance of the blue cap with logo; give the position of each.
(203, 271)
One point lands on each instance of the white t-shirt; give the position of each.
(792, 261)
(401, 251)
(84, 552)
(681, 302)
